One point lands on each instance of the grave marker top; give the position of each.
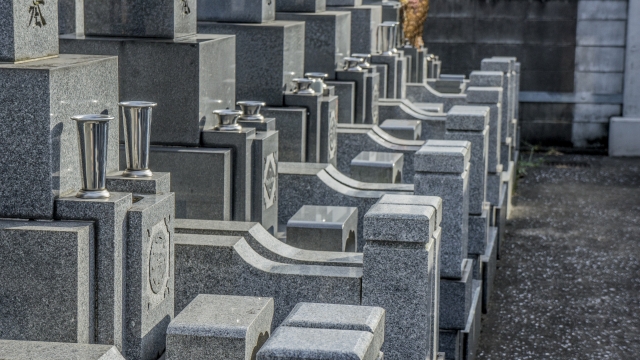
(140, 18)
(28, 30)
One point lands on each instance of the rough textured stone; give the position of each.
(327, 38)
(46, 297)
(324, 228)
(38, 99)
(403, 129)
(292, 343)
(252, 11)
(150, 275)
(467, 118)
(307, 6)
(440, 159)
(220, 327)
(346, 92)
(278, 48)
(159, 19)
(486, 78)
(483, 95)
(187, 77)
(378, 167)
(339, 317)
(159, 183)
(223, 265)
(456, 298)
(23, 350)
(291, 123)
(109, 216)
(433, 201)
(394, 222)
(29, 30)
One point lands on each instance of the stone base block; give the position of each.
(291, 123)
(455, 298)
(38, 99)
(378, 167)
(489, 264)
(220, 327)
(159, 183)
(391, 61)
(463, 344)
(22, 350)
(48, 283)
(479, 232)
(359, 78)
(346, 92)
(188, 77)
(264, 182)
(623, 136)
(403, 129)
(324, 228)
(277, 49)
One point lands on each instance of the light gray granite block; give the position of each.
(278, 49)
(306, 6)
(403, 129)
(159, 183)
(401, 223)
(150, 275)
(327, 37)
(47, 297)
(484, 95)
(364, 22)
(187, 77)
(35, 350)
(220, 327)
(467, 118)
(433, 201)
(432, 124)
(339, 317)
(292, 343)
(38, 99)
(200, 179)
(495, 120)
(110, 218)
(264, 182)
(440, 159)
(455, 299)
(207, 264)
(253, 11)
(378, 167)
(159, 19)
(479, 231)
(486, 78)
(29, 29)
(324, 228)
(397, 275)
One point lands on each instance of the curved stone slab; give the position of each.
(423, 93)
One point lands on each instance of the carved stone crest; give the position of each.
(269, 180)
(333, 134)
(159, 258)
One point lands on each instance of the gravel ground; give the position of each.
(568, 283)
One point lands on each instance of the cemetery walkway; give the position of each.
(568, 282)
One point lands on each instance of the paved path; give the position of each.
(568, 283)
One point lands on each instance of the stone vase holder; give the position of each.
(302, 86)
(352, 64)
(93, 139)
(251, 110)
(318, 86)
(136, 122)
(228, 120)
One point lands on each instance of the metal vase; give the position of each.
(393, 37)
(385, 38)
(93, 140)
(228, 120)
(302, 86)
(352, 64)
(364, 60)
(318, 86)
(136, 122)
(251, 110)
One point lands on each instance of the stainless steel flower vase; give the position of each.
(318, 86)
(227, 120)
(251, 110)
(136, 122)
(93, 140)
(352, 64)
(302, 86)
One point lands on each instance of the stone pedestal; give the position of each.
(159, 183)
(156, 70)
(47, 297)
(346, 93)
(307, 6)
(240, 143)
(359, 78)
(327, 38)
(444, 171)
(56, 351)
(393, 63)
(313, 104)
(624, 133)
(277, 58)
(291, 123)
(252, 11)
(324, 228)
(38, 99)
(220, 327)
(378, 167)
(403, 129)
(264, 180)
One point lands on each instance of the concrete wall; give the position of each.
(572, 55)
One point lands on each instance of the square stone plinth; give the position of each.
(37, 350)
(41, 157)
(403, 129)
(220, 327)
(158, 183)
(291, 123)
(378, 167)
(324, 228)
(252, 11)
(306, 6)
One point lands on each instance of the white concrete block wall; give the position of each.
(599, 66)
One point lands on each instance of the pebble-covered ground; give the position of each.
(568, 283)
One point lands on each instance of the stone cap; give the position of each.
(498, 64)
(38, 350)
(484, 95)
(434, 201)
(293, 343)
(486, 78)
(438, 158)
(338, 317)
(221, 316)
(468, 118)
(399, 223)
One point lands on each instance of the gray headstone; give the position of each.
(246, 11)
(359, 78)
(324, 228)
(378, 167)
(346, 92)
(29, 30)
(305, 6)
(313, 104)
(291, 123)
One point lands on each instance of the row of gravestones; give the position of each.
(120, 287)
